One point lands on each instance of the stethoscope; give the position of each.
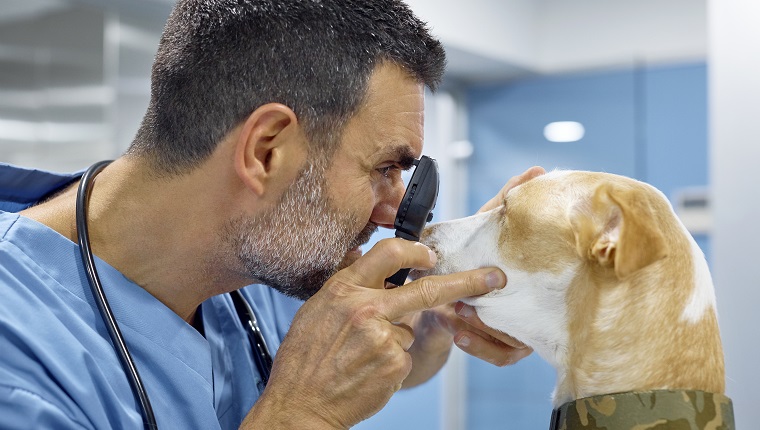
(261, 355)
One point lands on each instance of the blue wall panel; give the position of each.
(675, 127)
(514, 397)
(507, 123)
(413, 408)
(675, 130)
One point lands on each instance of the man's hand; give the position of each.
(435, 330)
(346, 353)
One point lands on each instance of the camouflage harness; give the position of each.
(651, 410)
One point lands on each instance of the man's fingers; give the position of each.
(526, 176)
(467, 313)
(432, 291)
(404, 335)
(494, 352)
(386, 258)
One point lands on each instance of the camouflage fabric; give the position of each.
(652, 410)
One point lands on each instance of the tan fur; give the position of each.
(642, 291)
(527, 227)
(647, 336)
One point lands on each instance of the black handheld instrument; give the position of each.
(416, 207)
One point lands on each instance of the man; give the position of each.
(271, 150)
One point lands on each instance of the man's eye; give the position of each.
(386, 171)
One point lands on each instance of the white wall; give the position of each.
(734, 91)
(492, 39)
(499, 29)
(581, 33)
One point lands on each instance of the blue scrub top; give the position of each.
(58, 368)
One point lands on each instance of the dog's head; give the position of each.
(562, 238)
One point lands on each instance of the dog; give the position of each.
(608, 286)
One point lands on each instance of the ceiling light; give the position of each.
(564, 131)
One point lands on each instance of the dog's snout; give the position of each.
(426, 232)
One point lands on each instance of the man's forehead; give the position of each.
(388, 126)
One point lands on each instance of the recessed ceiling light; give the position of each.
(564, 131)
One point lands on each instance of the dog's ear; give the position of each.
(617, 228)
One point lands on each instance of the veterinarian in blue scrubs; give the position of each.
(271, 150)
(57, 369)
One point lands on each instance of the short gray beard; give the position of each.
(297, 246)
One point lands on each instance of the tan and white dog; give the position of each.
(604, 283)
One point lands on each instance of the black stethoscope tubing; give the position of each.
(83, 236)
(260, 351)
(261, 356)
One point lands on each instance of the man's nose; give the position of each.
(384, 212)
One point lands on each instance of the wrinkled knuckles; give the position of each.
(429, 293)
(363, 313)
(474, 284)
(383, 338)
(404, 363)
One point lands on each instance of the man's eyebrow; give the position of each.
(401, 154)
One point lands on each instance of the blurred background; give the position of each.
(666, 91)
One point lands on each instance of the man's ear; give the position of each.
(270, 145)
(618, 229)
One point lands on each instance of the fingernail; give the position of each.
(464, 341)
(431, 254)
(465, 311)
(493, 280)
